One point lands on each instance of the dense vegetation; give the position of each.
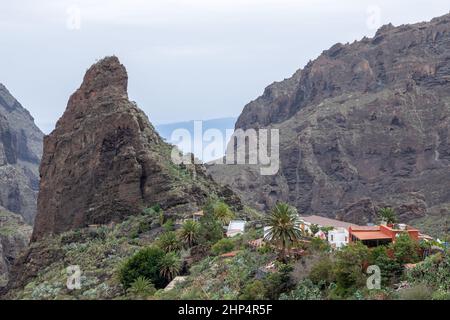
(139, 257)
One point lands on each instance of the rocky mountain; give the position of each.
(104, 161)
(14, 238)
(364, 125)
(20, 153)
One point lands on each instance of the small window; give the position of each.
(332, 237)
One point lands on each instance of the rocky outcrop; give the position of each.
(366, 122)
(14, 237)
(104, 161)
(20, 153)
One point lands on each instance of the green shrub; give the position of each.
(279, 282)
(253, 291)
(145, 263)
(406, 250)
(441, 295)
(304, 290)
(390, 268)
(349, 269)
(434, 271)
(222, 246)
(169, 225)
(141, 288)
(418, 292)
(144, 226)
(210, 231)
(153, 211)
(323, 272)
(319, 245)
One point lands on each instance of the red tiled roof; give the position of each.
(370, 235)
(365, 228)
(229, 254)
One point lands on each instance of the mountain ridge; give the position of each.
(20, 154)
(364, 125)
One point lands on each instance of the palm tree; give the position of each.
(170, 266)
(284, 227)
(223, 213)
(387, 215)
(168, 241)
(189, 232)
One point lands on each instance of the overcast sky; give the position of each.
(186, 59)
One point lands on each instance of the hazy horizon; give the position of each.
(186, 59)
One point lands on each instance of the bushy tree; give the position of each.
(222, 246)
(389, 267)
(278, 283)
(349, 268)
(210, 231)
(406, 249)
(322, 273)
(145, 263)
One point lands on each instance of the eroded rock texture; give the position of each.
(104, 160)
(20, 153)
(14, 237)
(364, 125)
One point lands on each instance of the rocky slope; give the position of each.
(20, 153)
(14, 237)
(364, 125)
(104, 161)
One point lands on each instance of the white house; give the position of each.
(236, 227)
(337, 237)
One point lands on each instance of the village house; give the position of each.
(236, 227)
(373, 236)
(337, 237)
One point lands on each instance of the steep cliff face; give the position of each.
(14, 237)
(20, 153)
(366, 124)
(104, 160)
